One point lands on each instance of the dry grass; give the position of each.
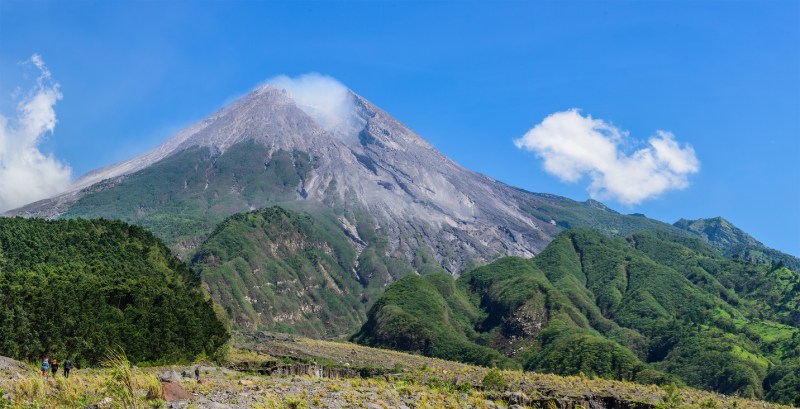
(530, 384)
(422, 383)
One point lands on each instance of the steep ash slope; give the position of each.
(374, 172)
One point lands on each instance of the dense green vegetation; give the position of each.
(783, 382)
(79, 287)
(654, 308)
(291, 271)
(186, 195)
(429, 316)
(281, 270)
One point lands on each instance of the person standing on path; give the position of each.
(54, 367)
(67, 367)
(45, 367)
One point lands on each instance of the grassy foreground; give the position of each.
(397, 380)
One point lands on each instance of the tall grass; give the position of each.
(121, 383)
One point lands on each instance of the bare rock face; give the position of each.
(173, 391)
(417, 197)
(12, 368)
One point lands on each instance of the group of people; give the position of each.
(48, 365)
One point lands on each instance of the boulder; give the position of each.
(13, 368)
(173, 391)
(169, 376)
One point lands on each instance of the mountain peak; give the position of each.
(310, 142)
(718, 230)
(733, 241)
(331, 105)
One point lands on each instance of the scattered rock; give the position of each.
(173, 391)
(207, 404)
(12, 366)
(245, 382)
(103, 404)
(515, 398)
(188, 374)
(169, 376)
(215, 369)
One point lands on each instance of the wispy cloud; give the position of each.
(323, 98)
(26, 173)
(573, 146)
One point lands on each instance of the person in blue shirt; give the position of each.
(45, 367)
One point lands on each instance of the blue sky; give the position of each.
(471, 78)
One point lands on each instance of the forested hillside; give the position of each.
(651, 308)
(76, 288)
(285, 271)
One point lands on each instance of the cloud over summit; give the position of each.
(323, 98)
(573, 146)
(27, 174)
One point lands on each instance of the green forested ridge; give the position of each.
(591, 214)
(653, 308)
(281, 270)
(427, 315)
(734, 242)
(79, 287)
(291, 271)
(770, 292)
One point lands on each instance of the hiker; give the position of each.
(197, 373)
(54, 367)
(67, 367)
(45, 367)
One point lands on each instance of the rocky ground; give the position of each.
(216, 389)
(274, 371)
(219, 387)
(13, 368)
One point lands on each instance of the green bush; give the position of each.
(494, 380)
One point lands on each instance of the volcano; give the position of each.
(322, 147)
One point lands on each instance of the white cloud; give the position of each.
(27, 174)
(323, 98)
(573, 146)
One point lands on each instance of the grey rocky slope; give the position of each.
(378, 176)
(735, 242)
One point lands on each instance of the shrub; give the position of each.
(494, 380)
